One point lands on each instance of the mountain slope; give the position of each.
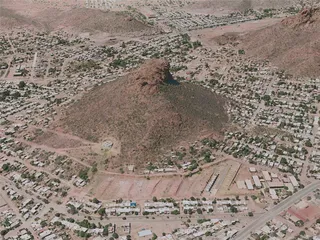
(293, 44)
(45, 17)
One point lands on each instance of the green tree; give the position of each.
(16, 95)
(233, 209)
(21, 84)
(254, 197)
(43, 223)
(308, 143)
(299, 223)
(6, 167)
(83, 174)
(105, 231)
(102, 211)
(175, 212)
(4, 232)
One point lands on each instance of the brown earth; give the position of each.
(92, 20)
(292, 45)
(106, 187)
(45, 17)
(9, 19)
(147, 112)
(53, 140)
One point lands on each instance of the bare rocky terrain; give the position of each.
(75, 20)
(293, 44)
(147, 111)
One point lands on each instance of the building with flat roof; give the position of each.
(266, 175)
(294, 181)
(273, 194)
(144, 233)
(249, 184)
(241, 184)
(211, 182)
(256, 181)
(275, 184)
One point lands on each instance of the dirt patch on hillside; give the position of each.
(53, 140)
(9, 19)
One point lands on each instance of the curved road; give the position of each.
(257, 224)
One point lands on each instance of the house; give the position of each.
(275, 184)
(256, 181)
(144, 233)
(266, 176)
(294, 181)
(249, 184)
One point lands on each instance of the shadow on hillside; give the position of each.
(171, 80)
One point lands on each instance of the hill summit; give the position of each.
(147, 112)
(307, 17)
(149, 77)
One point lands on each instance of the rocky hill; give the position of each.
(293, 44)
(92, 20)
(147, 112)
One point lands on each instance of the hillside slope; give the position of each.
(293, 44)
(45, 17)
(92, 20)
(147, 112)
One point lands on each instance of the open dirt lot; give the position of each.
(2, 202)
(163, 226)
(54, 140)
(140, 188)
(107, 187)
(310, 212)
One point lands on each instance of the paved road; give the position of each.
(262, 220)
